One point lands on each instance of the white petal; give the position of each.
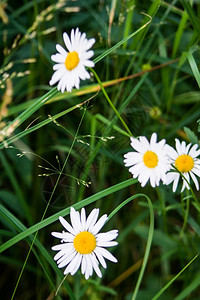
(67, 226)
(63, 252)
(107, 236)
(83, 265)
(178, 147)
(83, 218)
(61, 50)
(91, 220)
(62, 246)
(106, 244)
(88, 63)
(175, 184)
(89, 268)
(95, 265)
(67, 42)
(90, 43)
(86, 55)
(100, 258)
(75, 220)
(105, 253)
(195, 180)
(67, 259)
(56, 76)
(65, 236)
(58, 58)
(153, 138)
(58, 235)
(97, 227)
(73, 266)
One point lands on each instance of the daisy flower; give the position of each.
(70, 64)
(149, 161)
(186, 162)
(82, 245)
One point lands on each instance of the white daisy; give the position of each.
(186, 162)
(82, 245)
(70, 67)
(149, 161)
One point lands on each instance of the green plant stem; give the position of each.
(185, 215)
(110, 102)
(55, 186)
(147, 250)
(173, 279)
(149, 239)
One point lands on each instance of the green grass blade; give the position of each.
(189, 289)
(147, 250)
(179, 34)
(194, 67)
(107, 52)
(193, 19)
(28, 112)
(149, 239)
(173, 279)
(63, 212)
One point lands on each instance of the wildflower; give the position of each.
(186, 162)
(82, 245)
(149, 161)
(70, 67)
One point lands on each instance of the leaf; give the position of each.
(191, 135)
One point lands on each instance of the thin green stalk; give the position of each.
(110, 102)
(55, 186)
(147, 250)
(173, 279)
(185, 215)
(149, 239)
(25, 114)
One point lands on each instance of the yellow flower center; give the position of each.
(84, 242)
(184, 163)
(150, 159)
(71, 60)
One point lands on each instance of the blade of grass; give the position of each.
(149, 239)
(189, 289)
(193, 19)
(63, 212)
(107, 52)
(179, 34)
(173, 279)
(194, 67)
(128, 20)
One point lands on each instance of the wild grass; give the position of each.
(59, 150)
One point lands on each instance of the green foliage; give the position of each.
(59, 150)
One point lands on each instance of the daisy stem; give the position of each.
(185, 215)
(60, 285)
(110, 102)
(149, 239)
